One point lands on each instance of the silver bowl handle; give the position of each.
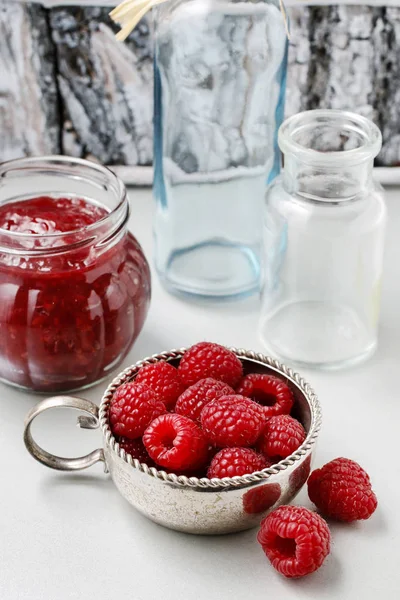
(88, 421)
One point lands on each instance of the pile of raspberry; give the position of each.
(205, 418)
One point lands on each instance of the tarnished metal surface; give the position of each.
(201, 506)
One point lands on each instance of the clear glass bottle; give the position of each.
(324, 227)
(220, 72)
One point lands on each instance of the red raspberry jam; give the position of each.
(75, 295)
(46, 215)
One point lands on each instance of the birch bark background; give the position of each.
(30, 119)
(66, 85)
(105, 87)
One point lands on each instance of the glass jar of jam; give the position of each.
(74, 283)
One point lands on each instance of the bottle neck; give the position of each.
(342, 182)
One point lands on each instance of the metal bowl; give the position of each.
(189, 504)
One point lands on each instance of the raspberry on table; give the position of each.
(193, 400)
(269, 391)
(176, 443)
(232, 421)
(295, 540)
(210, 360)
(137, 450)
(230, 462)
(342, 490)
(163, 379)
(281, 437)
(133, 407)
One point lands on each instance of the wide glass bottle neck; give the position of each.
(337, 183)
(328, 154)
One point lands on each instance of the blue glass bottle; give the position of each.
(220, 74)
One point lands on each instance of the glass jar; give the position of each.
(324, 227)
(74, 284)
(220, 73)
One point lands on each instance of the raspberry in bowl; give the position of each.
(74, 283)
(194, 473)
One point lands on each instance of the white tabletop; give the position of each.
(71, 537)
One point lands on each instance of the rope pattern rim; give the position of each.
(227, 482)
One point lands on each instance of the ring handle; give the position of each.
(88, 421)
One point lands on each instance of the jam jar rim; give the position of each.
(367, 150)
(116, 218)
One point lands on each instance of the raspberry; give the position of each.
(271, 392)
(236, 461)
(193, 400)
(282, 435)
(210, 360)
(232, 421)
(136, 449)
(295, 540)
(260, 499)
(133, 407)
(342, 490)
(163, 379)
(176, 443)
